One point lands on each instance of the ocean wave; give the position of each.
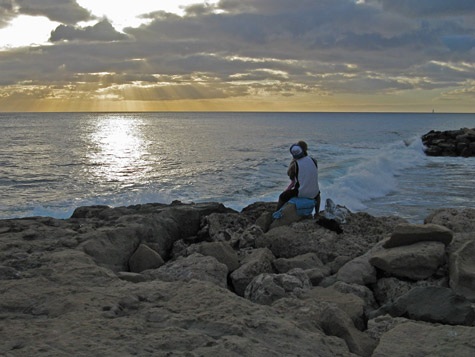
(375, 176)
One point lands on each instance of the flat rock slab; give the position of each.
(418, 339)
(416, 261)
(406, 234)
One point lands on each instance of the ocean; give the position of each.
(51, 163)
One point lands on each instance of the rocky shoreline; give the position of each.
(450, 142)
(205, 280)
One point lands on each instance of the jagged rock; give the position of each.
(304, 261)
(450, 142)
(431, 304)
(247, 239)
(417, 261)
(407, 234)
(253, 263)
(462, 271)
(195, 266)
(7, 273)
(223, 227)
(336, 323)
(144, 258)
(457, 220)
(387, 290)
(419, 339)
(267, 288)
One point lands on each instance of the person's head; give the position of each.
(297, 151)
(303, 145)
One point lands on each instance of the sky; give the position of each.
(237, 55)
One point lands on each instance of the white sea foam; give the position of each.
(375, 176)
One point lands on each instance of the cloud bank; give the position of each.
(308, 51)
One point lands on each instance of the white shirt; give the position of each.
(307, 177)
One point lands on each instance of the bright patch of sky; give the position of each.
(26, 30)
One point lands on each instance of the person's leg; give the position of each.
(286, 196)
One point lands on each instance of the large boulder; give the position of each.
(195, 266)
(407, 234)
(462, 271)
(431, 304)
(253, 263)
(420, 339)
(223, 227)
(416, 261)
(289, 216)
(267, 288)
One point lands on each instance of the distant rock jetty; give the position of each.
(205, 280)
(450, 143)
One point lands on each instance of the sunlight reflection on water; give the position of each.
(118, 149)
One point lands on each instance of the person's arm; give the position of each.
(291, 171)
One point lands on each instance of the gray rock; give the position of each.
(222, 251)
(432, 304)
(289, 216)
(267, 288)
(131, 277)
(223, 227)
(357, 271)
(462, 271)
(382, 324)
(388, 290)
(317, 275)
(247, 239)
(419, 339)
(254, 262)
(144, 258)
(195, 266)
(417, 261)
(336, 323)
(359, 290)
(304, 261)
(351, 304)
(407, 234)
(457, 220)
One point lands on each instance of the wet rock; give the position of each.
(450, 142)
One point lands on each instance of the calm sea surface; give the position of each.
(51, 163)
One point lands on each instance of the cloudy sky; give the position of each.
(252, 55)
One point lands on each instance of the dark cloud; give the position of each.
(428, 8)
(258, 47)
(6, 12)
(102, 31)
(64, 11)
